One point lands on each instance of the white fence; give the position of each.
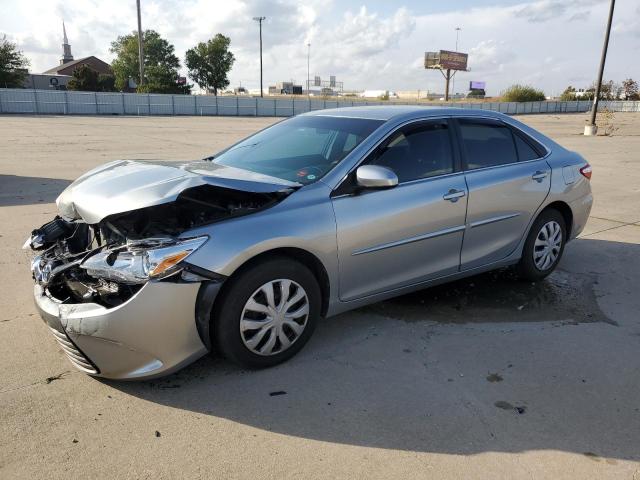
(58, 102)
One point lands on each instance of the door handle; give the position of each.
(539, 176)
(453, 195)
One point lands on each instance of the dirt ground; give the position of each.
(484, 378)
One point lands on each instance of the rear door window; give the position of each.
(486, 143)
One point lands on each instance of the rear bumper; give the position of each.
(152, 334)
(581, 208)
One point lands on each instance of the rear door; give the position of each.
(507, 180)
(413, 232)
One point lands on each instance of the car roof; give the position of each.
(388, 112)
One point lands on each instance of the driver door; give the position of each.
(410, 233)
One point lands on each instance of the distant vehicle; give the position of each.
(150, 265)
(240, 91)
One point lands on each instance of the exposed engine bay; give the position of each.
(108, 262)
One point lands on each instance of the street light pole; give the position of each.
(259, 20)
(592, 128)
(457, 38)
(140, 48)
(308, 63)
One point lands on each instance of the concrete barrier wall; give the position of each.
(58, 102)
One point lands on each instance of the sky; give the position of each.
(376, 45)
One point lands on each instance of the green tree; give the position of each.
(160, 63)
(13, 65)
(88, 80)
(608, 91)
(84, 79)
(589, 94)
(630, 89)
(106, 83)
(209, 63)
(522, 93)
(569, 94)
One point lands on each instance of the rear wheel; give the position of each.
(544, 246)
(267, 313)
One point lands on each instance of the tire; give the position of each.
(535, 266)
(237, 326)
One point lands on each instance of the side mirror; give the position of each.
(375, 176)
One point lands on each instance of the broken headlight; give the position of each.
(142, 260)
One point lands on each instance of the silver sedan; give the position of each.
(150, 265)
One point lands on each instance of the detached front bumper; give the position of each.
(152, 334)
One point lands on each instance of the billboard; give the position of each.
(431, 59)
(453, 60)
(473, 85)
(445, 60)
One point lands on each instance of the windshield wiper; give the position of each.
(213, 157)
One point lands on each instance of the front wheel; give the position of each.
(544, 246)
(267, 313)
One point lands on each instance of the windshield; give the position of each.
(301, 149)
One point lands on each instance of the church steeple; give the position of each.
(66, 48)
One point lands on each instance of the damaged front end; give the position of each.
(113, 279)
(108, 262)
(77, 266)
(62, 247)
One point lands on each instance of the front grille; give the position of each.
(75, 356)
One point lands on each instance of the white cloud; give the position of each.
(490, 55)
(628, 25)
(546, 42)
(545, 10)
(580, 15)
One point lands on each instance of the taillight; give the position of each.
(586, 171)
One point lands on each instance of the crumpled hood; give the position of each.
(126, 185)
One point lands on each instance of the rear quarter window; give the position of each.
(528, 148)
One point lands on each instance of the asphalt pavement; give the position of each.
(485, 378)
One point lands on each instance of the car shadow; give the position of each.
(19, 190)
(485, 364)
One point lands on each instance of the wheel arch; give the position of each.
(294, 253)
(525, 268)
(565, 211)
(558, 205)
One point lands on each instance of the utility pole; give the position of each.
(592, 128)
(457, 37)
(308, 63)
(140, 48)
(259, 20)
(446, 85)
